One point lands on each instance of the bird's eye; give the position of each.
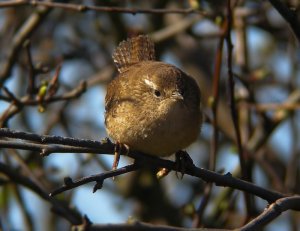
(157, 93)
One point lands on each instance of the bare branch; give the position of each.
(84, 8)
(289, 15)
(273, 211)
(47, 139)
(107, 147)
(31, 89)
(231, 84)
(141, 226)
(98, 178)
(18, 104)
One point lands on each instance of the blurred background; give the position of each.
(49, 52)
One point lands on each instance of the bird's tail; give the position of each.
(132, 51)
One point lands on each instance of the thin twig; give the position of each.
(72, 94)
(233, 109)
(14, 108)
(142, 226)
(98, 178)
(31, 89)
(28, 219)
(274, 106)
(231, 83)
(12, 97)
(214, 141)
(175, 28)
(26, 100)
(85, 8)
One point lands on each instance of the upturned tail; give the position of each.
(132, 51)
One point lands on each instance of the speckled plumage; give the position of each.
(151, 106)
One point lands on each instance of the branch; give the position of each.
(18, 104)
(273, 211)
(140, 226)
(289, 15)
(230, 85)
(262, 107)
(48, 139)
(85, 8)
(41, 142)
(98, 178)
(47, 149)
(31, 88)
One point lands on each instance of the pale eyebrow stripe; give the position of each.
(150, 83)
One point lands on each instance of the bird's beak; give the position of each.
(176, 95)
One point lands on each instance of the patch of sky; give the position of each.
(102, 206)
(169, 57)
(260, 177)
(36, 119)
(37, 207)
(15, 219)
(281, 64)
(228, 159)
(66, 38)
(12, 83)
(204, 27)
(178, 191)
(206, 131)
(240, 204)
(271, 94)
(91, 106)
(65, 165)
(136, 21)
(73, 71)
(281, 141)
(199, 152)
(262, 52)
(260, 43)
(260, 180)
(280, 223)
(3, 106)
(260, 46)
(93, 167)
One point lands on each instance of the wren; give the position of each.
(151, 106)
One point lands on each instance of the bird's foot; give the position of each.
(182, 160)
(119, 149)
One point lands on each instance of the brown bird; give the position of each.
(151, 107)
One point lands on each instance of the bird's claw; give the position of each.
(119, 148)
(182, 161)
